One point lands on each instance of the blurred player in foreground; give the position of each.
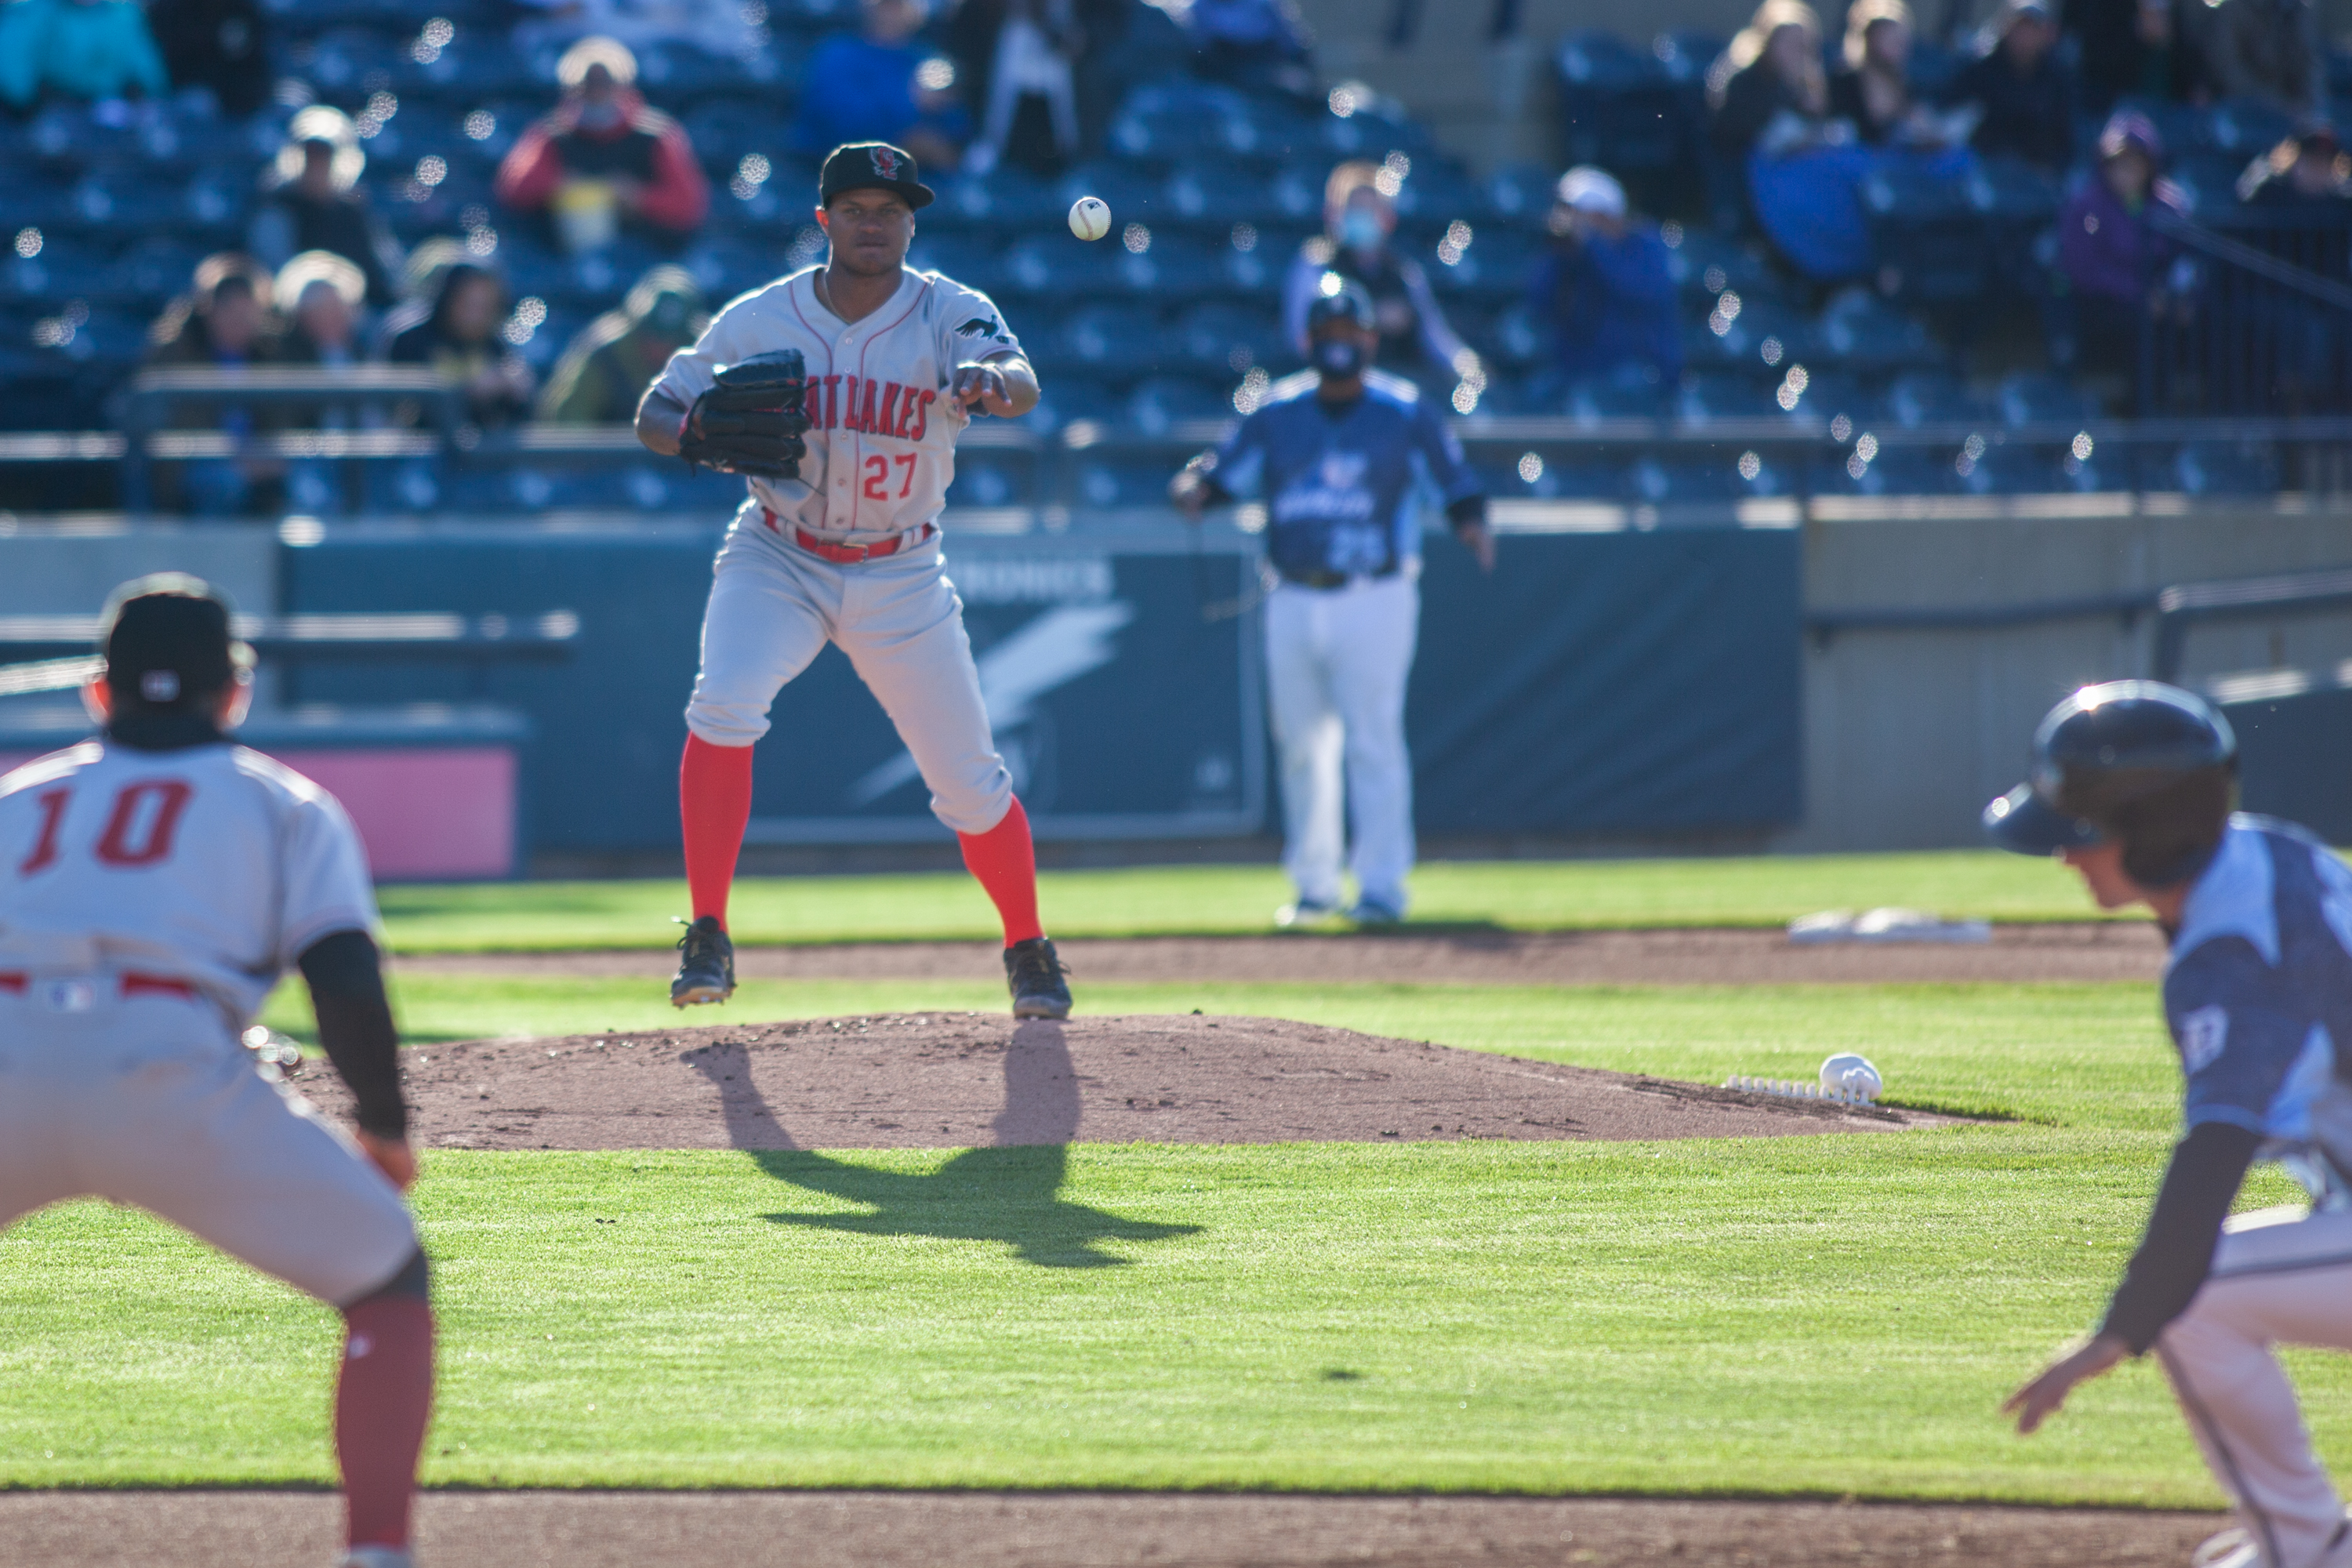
(839, 541)
(1345, 456)
(155, 883)
(2132, 787)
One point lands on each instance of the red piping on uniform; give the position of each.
(856, 491)
(137, 984)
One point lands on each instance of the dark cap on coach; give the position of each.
(167, 642)
(871, 165)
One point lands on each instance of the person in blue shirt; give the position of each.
(2133, 784)
(1604, 288)
(879, 84)
(1345, 459)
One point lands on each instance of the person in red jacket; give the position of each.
(604, 158)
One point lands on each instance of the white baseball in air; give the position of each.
(1090, 218)
(1852, 1074)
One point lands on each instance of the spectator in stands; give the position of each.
(1767, 93)
(224, 322)
(1604, 289)
(221, 44)
(879, 84)
(2270, 49)
(1359, 221)
(2117, 271)
(1022, 62)
(2138, 49)
(604, 158)
(94, 50)
(1871, 89)
(605, 370)
(2306, 174)
(455, 330)
(1253, 43)
(316, 204)
(2023, 86)
(320, 296)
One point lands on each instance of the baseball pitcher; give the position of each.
(837, 393)
(2132, 787)
(1343, 457)
(155, 883)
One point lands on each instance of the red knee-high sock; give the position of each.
(1005, 862)
(714, 801)
(381, 1402)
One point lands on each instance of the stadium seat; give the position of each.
(1675, 479)
(1161, 400)
(1931, 242)
(1863, 333)
(1591, 402)
(1056, 265)
(1162, 265)
(2225, 468)
(988, 478)
(1893, 470)
(968, 258)
(1520, 194)
(2243, 127)
(1622, 108)
(145, 275)
(1108, 482)
(1497, 264)
(1225, 340)
(1214, 196)
(1068, 395)
(1759, 337)
(2038, 397)
(1106, 340)
(1532, 476)
(1703, 264)
(1929, 397)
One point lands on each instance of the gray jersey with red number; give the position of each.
(881, 446)
(211, 864)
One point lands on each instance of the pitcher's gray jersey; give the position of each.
(210, 863)
(881, 445)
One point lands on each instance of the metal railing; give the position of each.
(2267, 326)
(2179, 610)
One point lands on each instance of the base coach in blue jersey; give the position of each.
(1345, 458)
(2132, 787)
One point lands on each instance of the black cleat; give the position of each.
(706, 965)
(1033, 972)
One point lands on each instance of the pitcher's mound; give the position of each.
(954, 1081)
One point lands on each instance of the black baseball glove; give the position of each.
(751, 421)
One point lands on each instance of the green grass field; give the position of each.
(1518, 895)
(1808, 1316)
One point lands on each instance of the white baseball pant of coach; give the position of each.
(773, 606)
(1337, 660)
(148, 1099)
(2278, 1278)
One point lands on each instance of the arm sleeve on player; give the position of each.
(325, 884)
(2177, 1252)
(1466, 495)
(2238, 1046)
(970, 328)
(691, 372)
(1236, 469)
(346, 978)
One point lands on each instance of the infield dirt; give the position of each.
(1049, 1530)
(2093, 951)
(965, 1081)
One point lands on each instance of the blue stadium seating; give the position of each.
(1160, 400)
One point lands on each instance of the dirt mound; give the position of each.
(108, 1528)
(2085, 951)
(958, 1080)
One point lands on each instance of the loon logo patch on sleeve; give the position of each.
(2203, 1034)
(981, 327)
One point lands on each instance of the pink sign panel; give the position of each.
(425, 813)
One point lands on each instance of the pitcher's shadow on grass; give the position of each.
(1008, 1192)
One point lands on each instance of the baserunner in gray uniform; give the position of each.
(2132, 787)
(155, 883)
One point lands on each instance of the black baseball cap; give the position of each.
(1339, 299)
(871, 165)
(168, 644)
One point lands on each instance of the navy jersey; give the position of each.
(2258, 993)
(1343, 488)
